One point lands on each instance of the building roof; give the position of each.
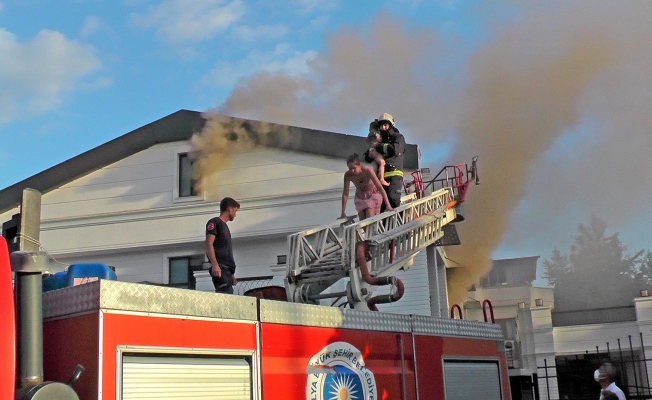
(181, 125)
(529, 263)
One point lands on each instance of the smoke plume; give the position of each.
(513, 117)
(555, 104)
(220, 140)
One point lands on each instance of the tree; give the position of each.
(598, 272)
(644, 270)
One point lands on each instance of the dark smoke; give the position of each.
(220, 141)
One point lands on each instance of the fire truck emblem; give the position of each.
(338, 372)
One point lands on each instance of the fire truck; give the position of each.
(137, 341)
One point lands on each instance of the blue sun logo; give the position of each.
(338, 372)
(343, 385)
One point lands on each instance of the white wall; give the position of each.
(416, 298)
(128, 215)
(131, 204)
(505, 299)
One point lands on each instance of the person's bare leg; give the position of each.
(370, 229)
(381, 171)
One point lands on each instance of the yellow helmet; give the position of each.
(386, 117)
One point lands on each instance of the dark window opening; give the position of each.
(181, 271)
(186, 183)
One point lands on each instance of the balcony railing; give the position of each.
(595, 316)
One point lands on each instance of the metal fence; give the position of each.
(246, 284)
(572, 376)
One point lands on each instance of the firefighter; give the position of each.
(391, 148)
(219, 248)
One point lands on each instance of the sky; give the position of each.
(552, 96)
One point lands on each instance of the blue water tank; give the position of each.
(58, 280)
(83, 273)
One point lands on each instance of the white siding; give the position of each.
(416, 298)
(141, 181)
(128, 215)
(147, 180)
(149, 265)
(254, 257)
(131, 204)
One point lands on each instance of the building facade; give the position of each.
(553, 354)
(131, 204)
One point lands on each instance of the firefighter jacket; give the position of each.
(392, 148)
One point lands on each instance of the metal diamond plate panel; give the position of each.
(72, 300)
(114, 295)
(278, 312)
(455, 327)
(356, 319)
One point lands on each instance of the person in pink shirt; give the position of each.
(369, 193)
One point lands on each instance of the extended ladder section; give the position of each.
(320, 257)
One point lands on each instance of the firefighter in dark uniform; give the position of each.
(392, 148)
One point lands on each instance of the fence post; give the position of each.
(545, 365)
(647, 376)
(631, 350)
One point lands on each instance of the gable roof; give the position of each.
(179, 126)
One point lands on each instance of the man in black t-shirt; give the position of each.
(219, 249)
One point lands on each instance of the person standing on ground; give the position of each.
(219, 249)
(606, 377)
(391, 147)
(607, 395)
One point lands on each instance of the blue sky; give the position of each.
(75, 74)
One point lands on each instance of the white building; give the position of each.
(561, 349)
(129, 204)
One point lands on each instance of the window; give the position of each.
(496, 277)
(186, 183)
(181, 271)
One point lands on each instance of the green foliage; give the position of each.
(597, 272)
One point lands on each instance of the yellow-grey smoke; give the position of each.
(219, 141)
(552, 72)
(514, 115)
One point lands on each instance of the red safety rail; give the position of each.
(458, 176)
(415, 185)
(486, 303)
(459, 311)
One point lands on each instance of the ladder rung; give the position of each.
(402, 230)
(332, 263)
(311, 272)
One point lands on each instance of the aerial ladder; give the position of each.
(369, 252)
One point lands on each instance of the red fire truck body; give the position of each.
(149, 342)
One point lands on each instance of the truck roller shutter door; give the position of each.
(465, 380)
(182, 377)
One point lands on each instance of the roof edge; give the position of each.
(181, 125)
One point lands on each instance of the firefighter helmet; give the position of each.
(386, 117)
